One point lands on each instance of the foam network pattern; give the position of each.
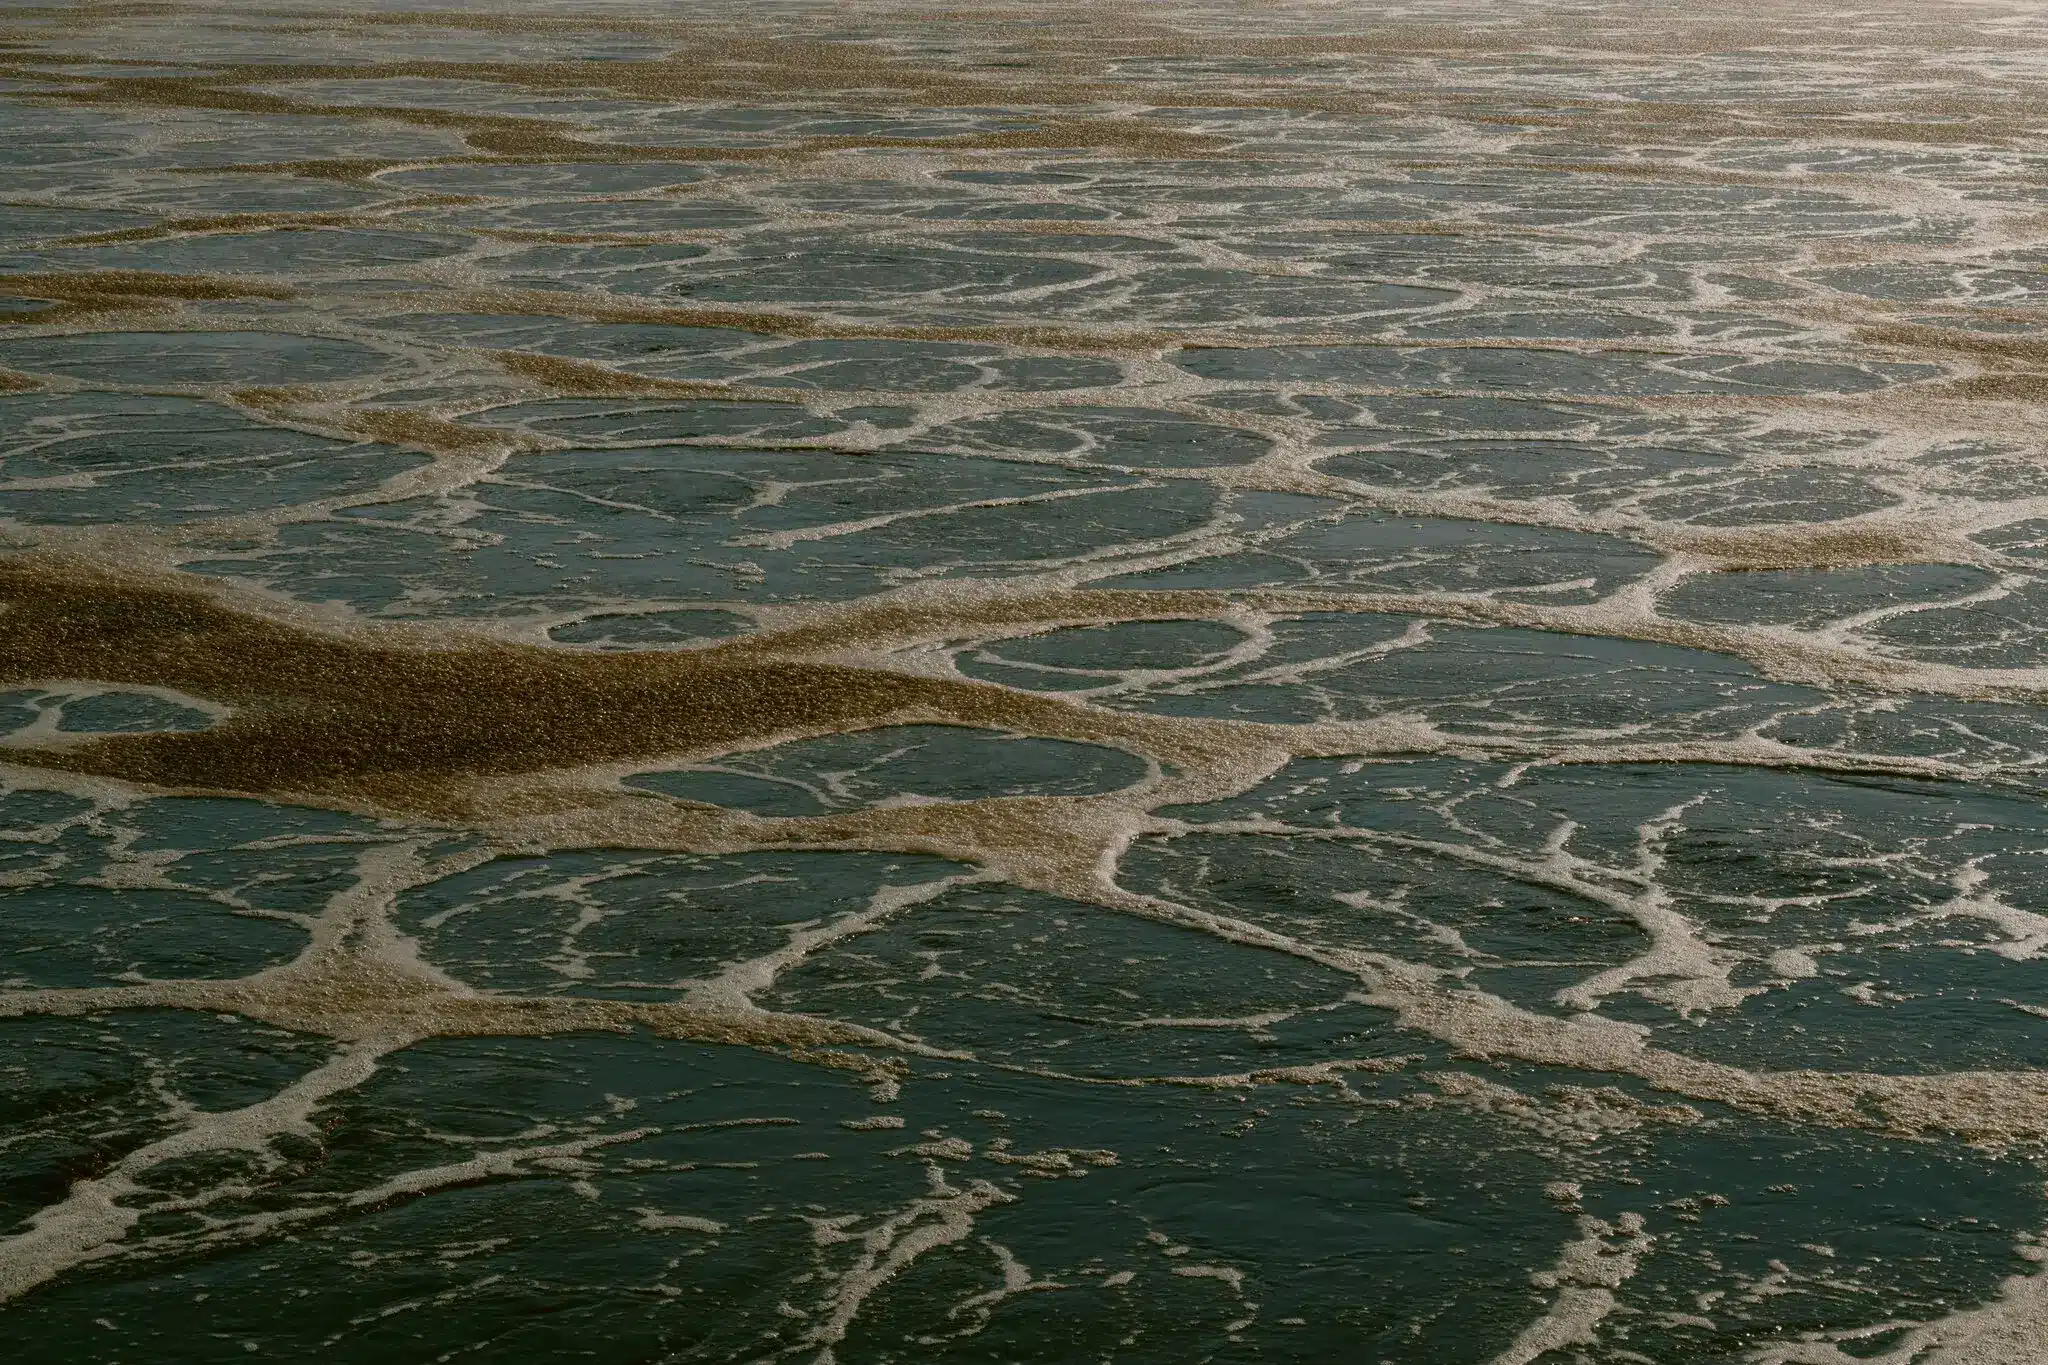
(1172, 681)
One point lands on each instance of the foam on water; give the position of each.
(1143, 682)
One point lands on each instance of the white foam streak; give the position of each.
(1585, 1277)
(91, 1221)
(2011, 1329)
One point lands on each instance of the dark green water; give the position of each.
(1356, 683)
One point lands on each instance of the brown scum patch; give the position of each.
(1996, 349)
(803, 327)
(1079, 42)
(582, 377)
(276, 399)
(396, 426)
(2011, 369)
(1816, 547)
(368, 721)
(224, 222)
(136, 284)
(1063, 89)
(105, 291)
(423, 432)
(506, 135)
(348, 170)
(1034, 336)
(1737, 26)
(2000, 388)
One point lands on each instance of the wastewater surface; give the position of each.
(1192, 681)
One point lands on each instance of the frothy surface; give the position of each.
(1196, 681)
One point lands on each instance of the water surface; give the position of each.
(1191, 681)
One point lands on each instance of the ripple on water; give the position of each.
(1377, 552)
(693, 525)
(117, 1081)
(1562, 372)
(511, 180)
(1141, 438)
(1100, 656)
(645, 629)
(1829, 922)
(725, 354)
(637, 422)
(1506, 683)
(46, 715)
(287, 252)
(196, 358)
(898, 764)
(117, 458)
(164, 889)
(629, 926)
